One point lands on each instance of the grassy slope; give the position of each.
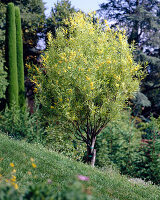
(62, 170)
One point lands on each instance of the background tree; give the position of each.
(11, 56)
(86, 78)
(33, 22)
(33, 19)
(20, 64)
(61, 10)
(3, 74)
(141, 20)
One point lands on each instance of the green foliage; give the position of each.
(33, 21)
(73, 191)
(3, 81)
(144, 30)
(64, 142)
(87, 75)
(11, 56)
(39, 191)
(8, 192)
(119, 144)
(61, 10)
(20, 65)
(21, 125)
(148, 165)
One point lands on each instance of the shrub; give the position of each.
(7, 192)
(87, 75)
(21, 125)
(148, 165)
(119, 144)
(134, 151)
(64, 142)
(3, 80)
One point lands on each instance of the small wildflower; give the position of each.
(16, 186)
(11, 164)
(83, 178)
(34, 165)
(49, 181)
(32, 159)
(29, 173)
(1, 159)
(13, 179)
(14, 171)
(52, 107)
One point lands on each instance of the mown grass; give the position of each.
(61, 170)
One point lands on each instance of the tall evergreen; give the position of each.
(61, 10)
(11, 56)
(20, 65)
(141, 20)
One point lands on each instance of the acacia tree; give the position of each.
(86, 78)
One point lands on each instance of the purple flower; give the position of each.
(83, 178)
(49, 181)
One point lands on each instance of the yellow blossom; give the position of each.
(108, 62)
(91, 84)
(35, 90)
(60, 99)
(15, 186)
(14, 171)
(117, 85)
(87, 78)
(70, 90)
(34, 165)
(11, 164)
(52, 107)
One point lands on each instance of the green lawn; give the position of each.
(61, 170)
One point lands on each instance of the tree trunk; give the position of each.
(91, 152)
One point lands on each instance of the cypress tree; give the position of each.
(20, 64)
(11, 57)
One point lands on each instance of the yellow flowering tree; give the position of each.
(87, 76)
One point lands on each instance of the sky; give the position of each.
(84, 5)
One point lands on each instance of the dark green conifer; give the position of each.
(11, 56)
(20, 64)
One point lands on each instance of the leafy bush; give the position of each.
(75, 191)
(134, 151)
(3, 80)
(39, 191)
(7, 192)
(64, 141)
(148, 165)
(119, 144)
(87, 74)
(21, 125)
